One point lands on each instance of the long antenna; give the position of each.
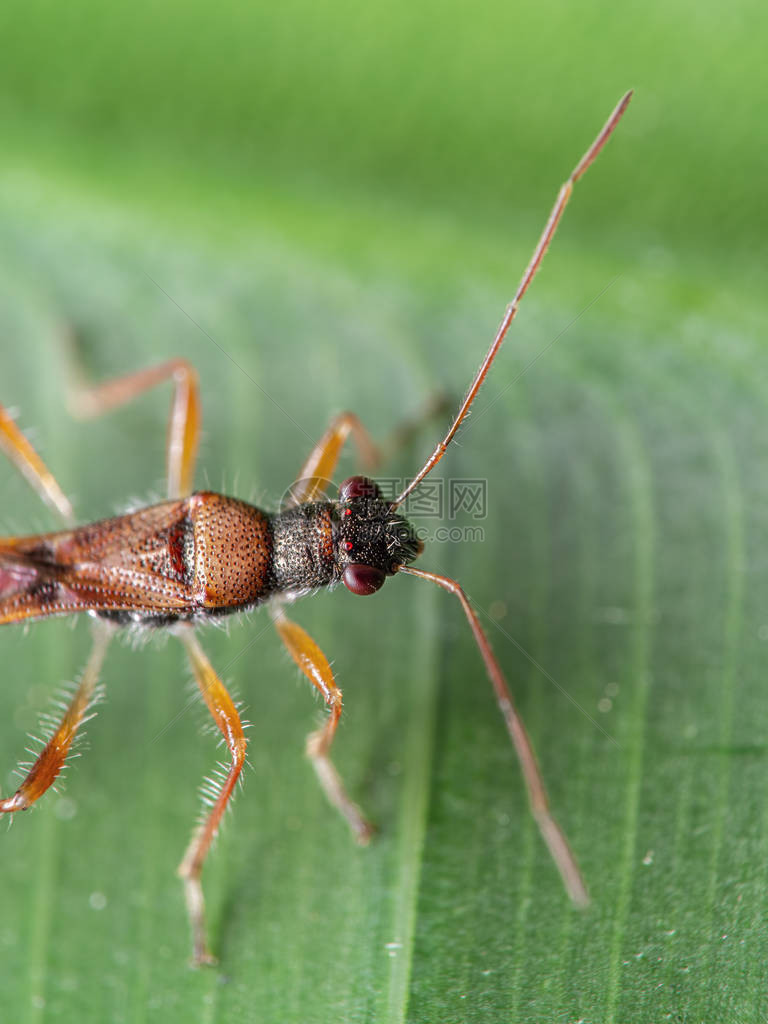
(551, 832)
(546, 237)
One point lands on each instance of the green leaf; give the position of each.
(619, 567)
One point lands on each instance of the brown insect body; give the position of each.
(198, 557)
(202, 555)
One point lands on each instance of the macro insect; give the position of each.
(200, 555)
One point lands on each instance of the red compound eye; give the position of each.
(363, 579)
(358, 487)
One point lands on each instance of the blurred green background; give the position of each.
(335, 202)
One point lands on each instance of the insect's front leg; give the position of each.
(53, 756)
(225, 715)
(315, 667)
(320, 464)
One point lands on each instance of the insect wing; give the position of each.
(136, 563)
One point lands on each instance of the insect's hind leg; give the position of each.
(315, 667)
(31, 466)
(224, 713)
(53, 756)
(88, 401)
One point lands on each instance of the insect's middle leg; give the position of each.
(225, 715)
(53, 756)
(87, 401)
(315, 667)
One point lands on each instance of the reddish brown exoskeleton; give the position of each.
(197, 556)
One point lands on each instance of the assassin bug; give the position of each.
(198, 556)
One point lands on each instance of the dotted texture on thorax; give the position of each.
(232, 551)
